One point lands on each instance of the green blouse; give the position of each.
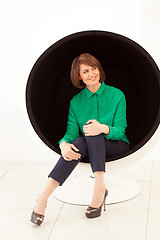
(107, 105)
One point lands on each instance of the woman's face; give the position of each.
(89, 75)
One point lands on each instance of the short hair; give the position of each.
(87, 59)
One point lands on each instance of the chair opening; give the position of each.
(127, 66)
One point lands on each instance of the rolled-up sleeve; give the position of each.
(72, 131)
(117, 130)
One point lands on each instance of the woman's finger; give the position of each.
(72, 153)
(73, 156)
(76, 149)
(67, 159)
(90, 121)
(70, 159)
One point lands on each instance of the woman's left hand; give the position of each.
(92, 127)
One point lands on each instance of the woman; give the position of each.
(99, 112)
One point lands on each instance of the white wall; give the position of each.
(29, 27)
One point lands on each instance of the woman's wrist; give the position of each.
(105, 129)
(62, 143)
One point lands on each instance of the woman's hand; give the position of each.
(93, 127)
(67, 151)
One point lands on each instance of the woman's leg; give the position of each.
(63, 168)
(58, 175)
(96, 154)
(98, 149)
(99, 190)
(115, 147)
(41, 202)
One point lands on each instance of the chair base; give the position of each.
(79, 191)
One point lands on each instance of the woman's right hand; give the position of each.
(67, 151)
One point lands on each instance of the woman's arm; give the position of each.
(72, 131)
(117, 130)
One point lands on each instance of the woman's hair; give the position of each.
(87, 59)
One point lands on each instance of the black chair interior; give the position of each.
(127, 66)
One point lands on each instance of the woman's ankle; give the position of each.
(98, 195)
(42, 199)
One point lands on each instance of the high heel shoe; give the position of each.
(35, 216)
(96, 212)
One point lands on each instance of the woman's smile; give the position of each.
(93, 78)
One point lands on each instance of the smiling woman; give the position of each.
(84, 67)
(107, 105)
(90, 76)
(102, 137)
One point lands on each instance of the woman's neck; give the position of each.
(93, 88)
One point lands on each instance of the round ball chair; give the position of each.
(49, 90)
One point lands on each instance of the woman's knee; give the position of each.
(80, 143)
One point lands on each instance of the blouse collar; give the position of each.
(99, 91)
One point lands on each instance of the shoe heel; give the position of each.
(106, 193)
(96, 212)
(104, 205)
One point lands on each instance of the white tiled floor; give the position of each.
(20, 183)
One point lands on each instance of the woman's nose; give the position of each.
(91, 73)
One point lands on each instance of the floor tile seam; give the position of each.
(25, 209)
(80, 206)
(149, 201)
(145, 180)
(55, 221)
(6, 171)
(6, 162)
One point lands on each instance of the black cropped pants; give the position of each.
(96, 148)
